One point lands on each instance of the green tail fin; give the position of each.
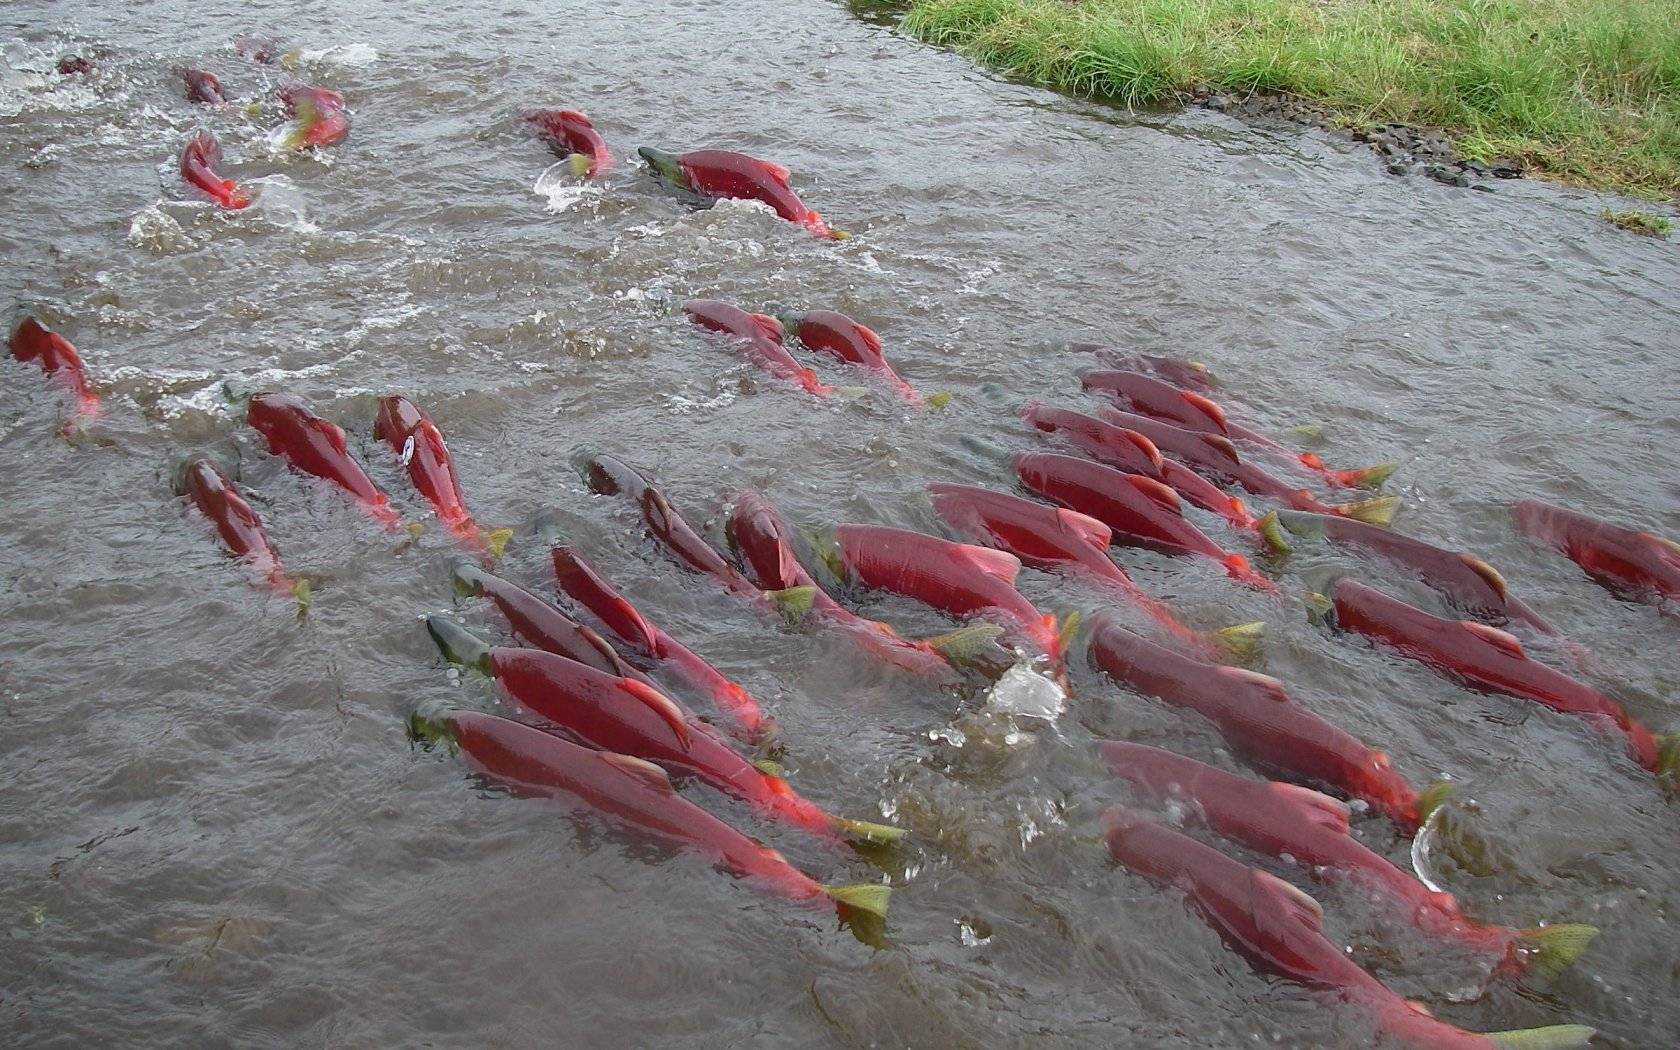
(863, 829)
(1431, 799)
(467, 578)
(578, 164)
(939, 400)
(414, 529)
(496, 541)
(1241, 640)
(1668, 755)
(1319, 608)
(870, 898)
(1068, 631)
(965, 644)
(1556, 946)
(1379, 511)
(794, 602)
(304, 598)
(1310, 431)
(1552, 1037)
(459, 645)
(839, 235)
(1272, 532)
(770, 768)
(306, 114)
(1370, 477)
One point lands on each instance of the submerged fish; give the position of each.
(1195, 411)
(855, 344)
(1468, 582)
(73, 64)
(631, 792)
(1310, 830)
(1639, 563)
(760, 338)
(1257, 719)
(1213, 456)
(201, 86)
(198, 168)
(1059, 540)
(1134, 453)
(1141, 512)
(539, 625)
(33, 341)
(631, 717)
(321, 117)
(239, 527)
(1191, 375)
(312, 445)
(718, 173)
(1488, 659)
(572, 138)
(641, 639)
(1279, 930)
(419, 446)
(761, 540)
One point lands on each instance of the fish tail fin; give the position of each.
(1363, 477)
(1063, 632)
(428, 732)
(302, 595)
(1551, 1037)
(869, 898)
(1557, 946)
(1272, 532)
(1379, 511)
(1319, 608)
(459, 645)
(794, 602)
(1310, 431)
(965, 644)
(578, 164)
(939, 400)
(1431, 799)
(1241, 640)
(1668, 755)
(304, 108)
(866, 830)
(495, 540)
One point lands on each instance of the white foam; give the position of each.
(1025, 692)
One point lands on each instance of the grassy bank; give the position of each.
(1582, 90)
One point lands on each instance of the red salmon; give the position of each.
(202, 86)
(419, 446)
(33, 341)
(321, 117)
(198, 167)
(239, 527)
(760, 336)
(1191, 375)
(314, 446)
(718, 173)
(539, 625)
(855, 344)
(1640, 563)
(572, 138)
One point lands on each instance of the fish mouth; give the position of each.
(665, 166)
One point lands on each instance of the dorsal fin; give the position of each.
(768, 325)
(1222, 444)
(1271, 685)
(1146, 446)
(1502, 640)
(1667, 549)
(870, 339)
(1087, 528)
(581, 581)
(1321, 809)
(641, 769)
(1298, 903)
(1486, 572)
(1207, 406)
(331, 431)
(662, 705)
(1161, 494)
(995, 563)
(572, 114)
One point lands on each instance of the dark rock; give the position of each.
(1503, 170)
(1398, 167)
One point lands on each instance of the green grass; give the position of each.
(1642, 222)
(1586, 91)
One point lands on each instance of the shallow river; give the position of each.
(213, 830)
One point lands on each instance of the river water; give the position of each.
(213, 830)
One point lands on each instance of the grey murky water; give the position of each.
(212, 830)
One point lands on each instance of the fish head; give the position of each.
(666, 167)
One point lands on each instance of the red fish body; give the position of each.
(1468, 582)
(1191, 375)
(570, 134)
(1309, 830)
(629, 791)
(760, 336)
(761, 540)
(1637, 562)
(239, 527)
(1213, 456)
(1051, 538)
(1134, 453)
(1142, 512)
(73, 64)
(1256, 717)
(1488, 659)
(956, 578)
(640, 638)
(855, 344)
(419, 445)
(539, 625)
(33, 341)
(202, 86)
(315, 446)
(610, 476)
(198, 167)
(721, 173)
(322, 118)
(1279, 930)
(1195, 411)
